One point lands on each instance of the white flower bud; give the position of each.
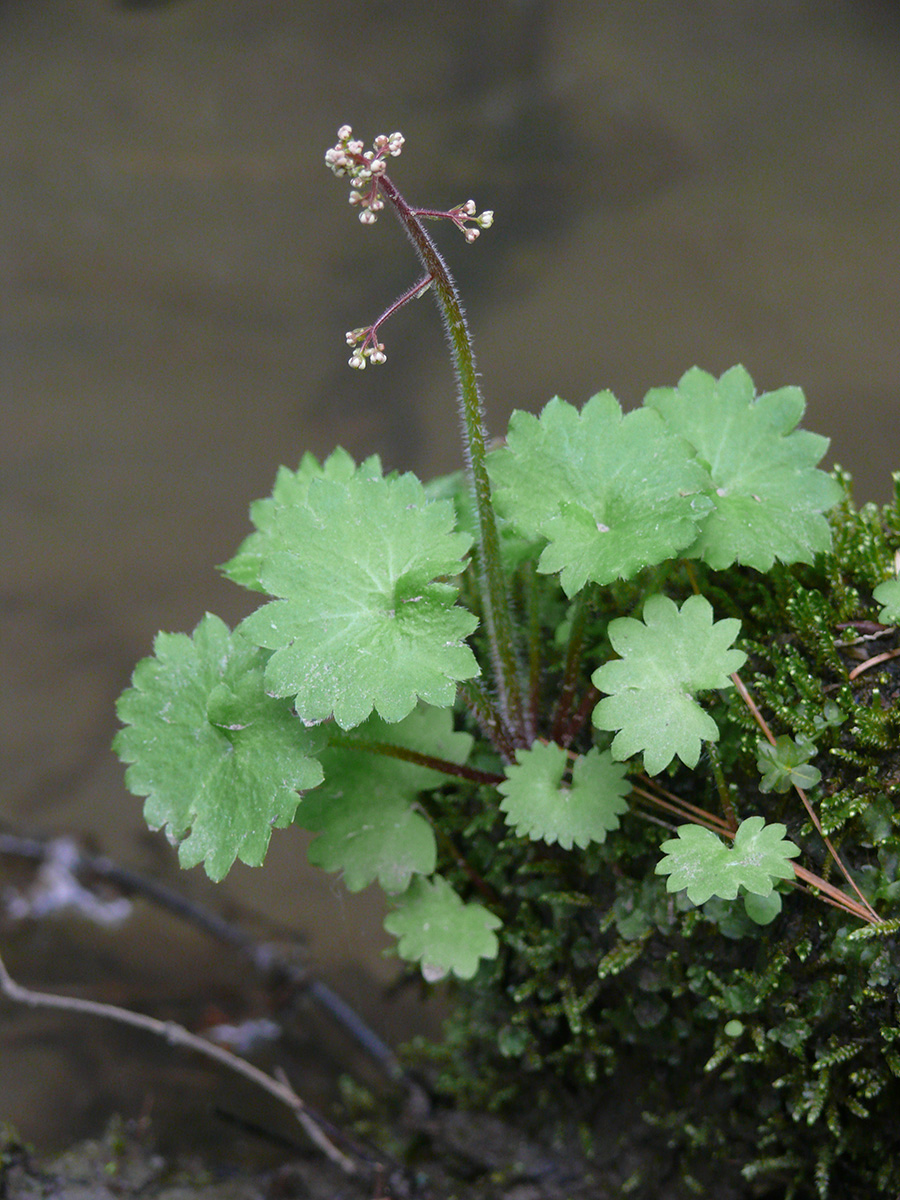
(472, 234)
(336, 159)
(486, 219)
(344, 133)
(367, 217)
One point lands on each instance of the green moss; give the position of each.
(601, 968)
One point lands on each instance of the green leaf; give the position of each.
(291, 488)
(830, 717)
(786, 764)
(762, 909)
(540, 807)
(701, 863)
(219, 760)
(878, 819)
(365, 810)
(769, 497)
(665, 660)
(435, 928)
(610, 493)
(362, 622)
(888, 595)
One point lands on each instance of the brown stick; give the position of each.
(264, 957)
(177, 1035)
(873, 662)
(690, 812)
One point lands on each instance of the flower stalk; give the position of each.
(370, 187)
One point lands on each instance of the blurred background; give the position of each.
(708, 182)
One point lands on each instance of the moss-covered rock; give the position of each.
(775, 1049)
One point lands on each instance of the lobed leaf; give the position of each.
(365, 809)
(786, 764)
(611, 493)
(666, 659)
(290, 489)
(699, 862)
(362, 622)
(768, 495)
(219, 760)
(540, 807)
(435, 928)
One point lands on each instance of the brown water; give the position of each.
(674, 184)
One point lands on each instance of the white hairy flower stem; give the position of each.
(497, 611)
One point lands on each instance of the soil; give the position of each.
(455, 1154)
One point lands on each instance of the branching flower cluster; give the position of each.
(368, 182)
(366, 346)
(461, 215)
(364, 167)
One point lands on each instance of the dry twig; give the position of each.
(176, 1035)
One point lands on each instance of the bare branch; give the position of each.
(177, 1035)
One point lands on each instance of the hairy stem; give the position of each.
(492, 725)
(533, 613)
(478, 882)
(722, 786)
(580, 717)
(498, 617)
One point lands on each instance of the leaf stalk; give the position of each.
(406, 754)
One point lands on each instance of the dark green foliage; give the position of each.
(776, 1048)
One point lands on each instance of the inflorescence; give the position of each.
(366, 346)
(367, 169)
